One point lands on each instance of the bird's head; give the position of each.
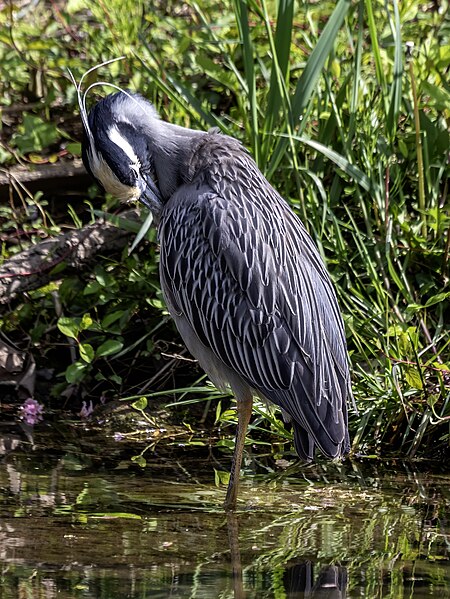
(118, 148)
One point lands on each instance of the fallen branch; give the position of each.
(35, 266)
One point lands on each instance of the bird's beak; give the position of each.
(150, 195)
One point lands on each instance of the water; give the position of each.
(78, 520)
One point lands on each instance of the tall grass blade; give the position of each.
(420, 173)
(396, 89)
(307, 82)
(181, 95)
(353, 171)
(241, 12)
(142, 232)
(356, 72)
(375, 47)
(280, 46)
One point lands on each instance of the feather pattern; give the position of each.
(241, 272)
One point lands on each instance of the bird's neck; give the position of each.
(171, 148)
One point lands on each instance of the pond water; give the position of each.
(77, 520)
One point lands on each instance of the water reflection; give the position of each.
(301, 580)
(77, 523)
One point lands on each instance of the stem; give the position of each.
(419, 151)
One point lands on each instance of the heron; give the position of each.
(242, 278)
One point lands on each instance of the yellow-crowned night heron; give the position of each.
(242, 278)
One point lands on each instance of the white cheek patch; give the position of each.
(120, 141)
(108, 179)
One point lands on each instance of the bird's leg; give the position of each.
(244, 410)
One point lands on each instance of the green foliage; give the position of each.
(34, 135)
(349, 123)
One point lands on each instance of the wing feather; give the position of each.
(239, 265)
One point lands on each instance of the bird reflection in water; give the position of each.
(302, 579)
(306, 579)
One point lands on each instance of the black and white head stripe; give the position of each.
(108, 153)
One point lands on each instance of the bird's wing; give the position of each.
(250, 282)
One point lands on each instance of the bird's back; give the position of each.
(243, 277)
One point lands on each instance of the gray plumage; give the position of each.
(239, 268)
(242, 278)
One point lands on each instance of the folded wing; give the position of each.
(253, 288)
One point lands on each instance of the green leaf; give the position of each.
(111, 318)
(221, 477)
(140, 404)
(218, 412)
(86, 322)
(412, 377)
(108, 348)
(436, 299)
(4, 155)
(75, 372)
(402, 147)
(439, 95)
(103, 278)
(139, 460)
(74, 148)
(58, 268)
(70, 327)
(34, 135)
(86, 352)
(92, 287)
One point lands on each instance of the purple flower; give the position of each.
(31, 411)
(86, 410)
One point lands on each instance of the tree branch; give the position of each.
(34, 267)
